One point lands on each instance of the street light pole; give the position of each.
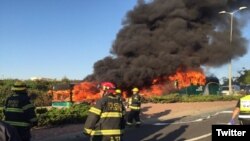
(230, 45)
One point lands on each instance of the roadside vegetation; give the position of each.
(174, 98)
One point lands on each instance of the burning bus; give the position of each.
(64, 95)
(186, 81)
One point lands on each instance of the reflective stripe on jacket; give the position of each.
(135, 102)
(18, 111)
(106, 117)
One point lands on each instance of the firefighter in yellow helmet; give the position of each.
(118, 93)
(134, 104)
(19, 111)
(105, 121)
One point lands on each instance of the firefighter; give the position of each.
(242, 109)
(105, 121)
(19, 111)
(118, 93)
(134, 105)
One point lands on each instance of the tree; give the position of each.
(224, 81)
(244, 77)
(65, 80)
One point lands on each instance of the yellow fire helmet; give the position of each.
(135, 90)
(19, 86)
(118, 91)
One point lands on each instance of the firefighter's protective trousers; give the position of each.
(135, 106)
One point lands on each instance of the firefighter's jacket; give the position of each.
(20, 113)
(245, 108)
(106, 117)
(135, 102)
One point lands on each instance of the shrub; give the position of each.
(1, 113)
(55, 116)
(172, 98)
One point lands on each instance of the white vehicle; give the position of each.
(225, 89)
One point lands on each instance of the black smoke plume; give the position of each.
(159, 36)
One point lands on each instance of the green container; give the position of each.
(62, 104)
(192, 90)
(212, 88)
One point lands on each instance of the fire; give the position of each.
(85, 91)
(158, 87)
(154, 90)
(179, 80)
(60, 95)
(88, 92)
(188, 77)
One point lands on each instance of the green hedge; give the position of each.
(54, 116)
(173, 98)
(1, 113)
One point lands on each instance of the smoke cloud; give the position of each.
(159, 36)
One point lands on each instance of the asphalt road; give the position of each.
(179, 129)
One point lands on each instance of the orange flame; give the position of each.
(60, 95)
(85, 91)
(188, 77)
(154, 90)
(179, 80)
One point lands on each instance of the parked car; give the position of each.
(225, 89)
(245, 89)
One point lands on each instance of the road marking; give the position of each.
(200, 137)
(179, 122)
(196, 120)
(226, 112)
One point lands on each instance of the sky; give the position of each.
(64, 38)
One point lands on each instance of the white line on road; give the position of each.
(196, 120)
(200, 137)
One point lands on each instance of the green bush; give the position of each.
(1, 113)
(173, 98)
(5, 90)
(55, 116)
(40, 98)
(40, 111)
